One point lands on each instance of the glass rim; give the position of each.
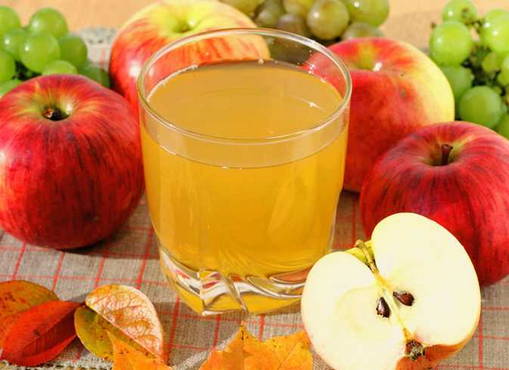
(267, 32)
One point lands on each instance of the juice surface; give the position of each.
(230, 214)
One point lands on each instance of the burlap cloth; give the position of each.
(130, 257)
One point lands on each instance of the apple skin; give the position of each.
(396, 90)
(72, 182)
(433, 355)
(163, 22)
(469, 196)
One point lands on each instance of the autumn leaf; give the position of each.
(289, 352)
(94, 333)
(245, 352)
(128, 311)
(92, 330)
(40, 333)
(17, 296)
(232, 357)
(126, 357)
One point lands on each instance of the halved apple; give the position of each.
(404, 300)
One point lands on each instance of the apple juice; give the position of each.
(241, 180)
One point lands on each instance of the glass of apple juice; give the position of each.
(244, 135)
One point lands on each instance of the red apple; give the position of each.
(159, 24)
(457, 174)
(70, 161)
(396, 90)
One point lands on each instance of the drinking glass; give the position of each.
(243, 196)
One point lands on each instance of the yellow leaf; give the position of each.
(126, 357)
(245, 352)
(131, 312)
(93, 332)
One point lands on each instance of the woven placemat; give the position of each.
(130, 257)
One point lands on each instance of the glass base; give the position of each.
(210, 292)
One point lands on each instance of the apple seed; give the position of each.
(382, 308)
(404, 297)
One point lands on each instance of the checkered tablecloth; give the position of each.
(130, 257)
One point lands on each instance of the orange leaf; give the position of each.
(126, 357)
(289, 352)
(245, 352)
(132, 313)
(40, 333)
(232, 357)
(17, 296)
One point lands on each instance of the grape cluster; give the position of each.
(473, 53)
(44, 46)
(327, 21)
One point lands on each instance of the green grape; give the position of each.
(503, 76)
(247, 7)
(7, 66)
(481, 105)
(503, 126)
(495, 33)
(503, 79)
(9, 19)
(59, 67)
(293, 23)
(48, 20)
(327, 19)
(492, 62)
(12, 41)
(494, 13)
(450, 43)
(460, 10)
(268, 13)
(504, 66)
(298, 7)
(460, 79)
(95, 73)
(488, 19)
(360, 29)
(7, 86)
(38, 50)
(73, 49)
(374, 12)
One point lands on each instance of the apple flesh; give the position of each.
(396, 90)
(404, 300)
(163, 22)
(70, 161)
(457, 174)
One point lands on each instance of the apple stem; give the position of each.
(368, 254)
(446, 151)
(54, 113)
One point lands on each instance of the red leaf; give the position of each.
(17, 296)
(39, 334)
